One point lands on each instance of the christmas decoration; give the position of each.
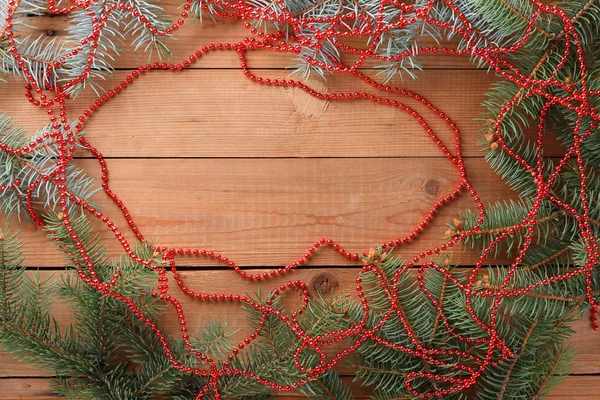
(417, 328)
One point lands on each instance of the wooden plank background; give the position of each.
(205, 158)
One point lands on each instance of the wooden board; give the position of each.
(39, 389)
(330, 282)
(220, 113)
(206, 158)
(195, 35)
(269, 211)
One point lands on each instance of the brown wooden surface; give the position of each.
(330, 281)
(194, 36)
(205, 158)
(268, 211)
(582, 387)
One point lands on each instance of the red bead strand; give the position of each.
(306, 35)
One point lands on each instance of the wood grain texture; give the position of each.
(573, 387)
(193, 36)
(330, 282)
(206, 158)
(220, 113)
(262, 212)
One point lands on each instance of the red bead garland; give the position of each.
(337, 30)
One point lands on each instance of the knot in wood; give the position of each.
(432, 187)
(324, 283)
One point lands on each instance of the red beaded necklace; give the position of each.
(337, 30)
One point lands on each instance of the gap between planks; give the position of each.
(247, 208)
(330, 282)
(579, 387)
(193, 36)
(220, 113)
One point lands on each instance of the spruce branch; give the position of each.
(441, 305)
(525, 19)
(504, 217)
(107, 353)
(548, 259)
(514, 360)
(554, 374)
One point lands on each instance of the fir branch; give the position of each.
(508, 228)
(154, 378)
(441, 307)
(20, 341)
(379, 370)
(521, 91)
(124, 358)
(503, 217)
(515, 359)
(318, 4)
(4, 26)
(550, 375)
(538, 295)
(582, 11)
(545, 261)
(11, 272)
(326, 389)
(517, 13)
(214, 338)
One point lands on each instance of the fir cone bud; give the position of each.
(483, 282)
(489, 137)
(372, 253)
(60, 216)
(447, 260)
(458, 223)
(494, 145)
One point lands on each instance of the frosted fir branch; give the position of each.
(143, 38)
(497, 23)
(38, 54)
(19, 172)
(110, 42)
(199, 7)
(37, 51)
(121, 30)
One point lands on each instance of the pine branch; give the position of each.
(550, 376)
(582, 11)
(546, 260)
(517, 13)
(515, 359)
(441, 307)
(380, 370)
